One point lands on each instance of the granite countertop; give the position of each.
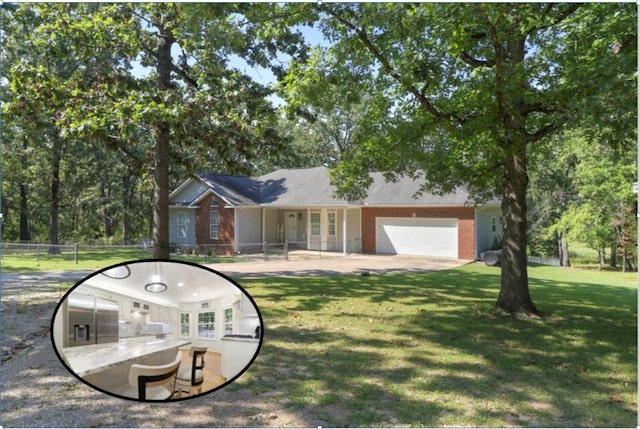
(93, 358)
(241, 339)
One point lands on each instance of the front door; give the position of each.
(290, 227)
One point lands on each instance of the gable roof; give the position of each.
(311, 187)
(235, 190)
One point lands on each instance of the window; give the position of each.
(214, 220)
(332, 224)
(228, 321)
(207, 325)
(182, 225)
(493, 224)
(185, 330)
(315, 223)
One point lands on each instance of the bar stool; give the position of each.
(149, 382)
(191, 377)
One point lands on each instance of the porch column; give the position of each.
(344, 232)
(262, 240)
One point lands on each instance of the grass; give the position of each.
(88, 259)
(424, 350)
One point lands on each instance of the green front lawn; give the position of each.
(424, 350)
(88, 259)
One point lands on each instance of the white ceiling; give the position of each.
(185, 283)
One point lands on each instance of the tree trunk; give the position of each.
(25, 234)
(514, 295)
(601, 258)
(126, 206)
(613, 256)
(163, 139)
(106, 215)
(55, 195)
(565, 262)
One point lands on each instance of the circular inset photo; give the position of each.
(157, 330)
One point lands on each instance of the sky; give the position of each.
(312, 35)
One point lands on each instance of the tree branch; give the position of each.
(184, 75)
(475, 63)
(390, 70)
(561, 16)
(543, 132)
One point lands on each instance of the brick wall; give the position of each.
(465, 216)
(225, 231)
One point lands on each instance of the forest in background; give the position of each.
(80, 122)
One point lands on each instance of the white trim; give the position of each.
(211, 191)
(344, 231)
(235, 231)
(180, 187)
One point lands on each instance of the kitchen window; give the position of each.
(185, 329)
(182, 225)
(214, 220)
(207, 325)
(228, 321)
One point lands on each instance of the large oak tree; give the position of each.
(463, 92)
(163, 70)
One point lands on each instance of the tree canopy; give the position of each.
(463, 92)
(452, 94)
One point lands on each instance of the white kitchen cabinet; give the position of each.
(125, 308)
(174, 320)
(246, 306)
(154, 313)
(236, 355)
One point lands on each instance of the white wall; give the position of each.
(217, 305)
(248, 226)
(484, 230)
(354, 230)
(190, 239)
(189, 193)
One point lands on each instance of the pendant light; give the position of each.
(155, 284)
(120, 272)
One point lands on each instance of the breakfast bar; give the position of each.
(96, 358)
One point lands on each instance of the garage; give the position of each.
(410, 236)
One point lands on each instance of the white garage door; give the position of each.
(409, 236)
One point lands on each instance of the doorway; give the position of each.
(290, 227)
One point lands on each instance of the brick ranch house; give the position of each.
(236, 214)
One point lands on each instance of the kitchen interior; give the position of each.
(142, 314)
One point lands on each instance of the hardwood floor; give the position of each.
(212, 368)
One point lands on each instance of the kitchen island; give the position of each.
(237, 352)
(96, 358)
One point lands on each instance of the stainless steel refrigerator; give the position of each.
(91, 320)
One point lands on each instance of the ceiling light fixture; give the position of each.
(155, 285)
(119, 272)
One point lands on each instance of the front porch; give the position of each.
(314, 229)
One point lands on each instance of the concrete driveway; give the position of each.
(336, 265)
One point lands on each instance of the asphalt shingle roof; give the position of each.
(311, 187)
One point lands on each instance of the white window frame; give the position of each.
(186, 325)
(209, 325)
(214, 220)
(332, 223)
(182, 224)
(227, 327)
(313, 214)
